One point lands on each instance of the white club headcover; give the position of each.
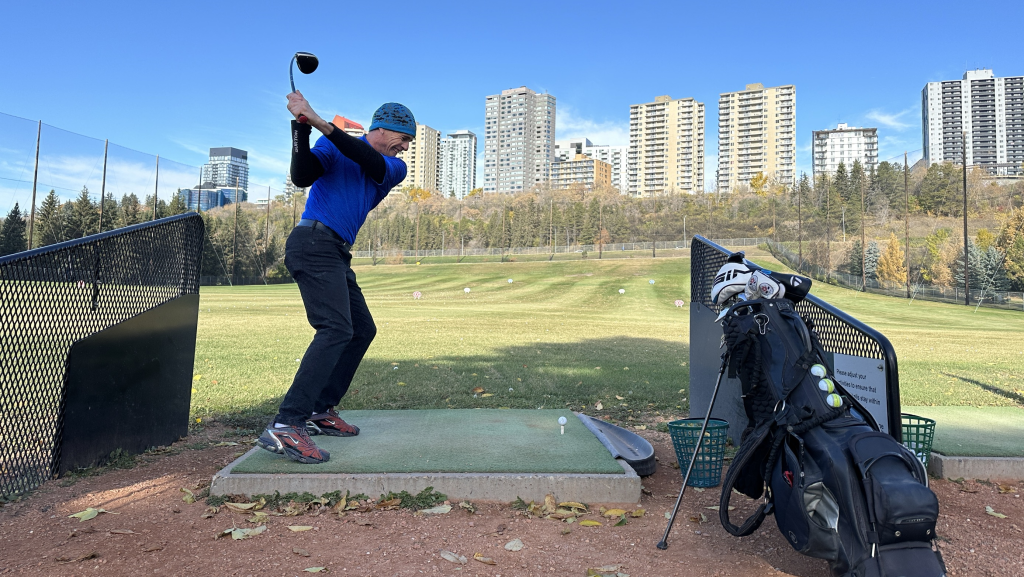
(731, 280)
(761, 285)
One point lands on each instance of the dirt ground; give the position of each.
(150, 530)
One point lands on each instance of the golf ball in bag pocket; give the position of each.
(826, 385)
(834, 400)
(818, 370)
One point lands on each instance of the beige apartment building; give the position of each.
(583, 170)
(756, 133)
(421, 160)
(666, 147)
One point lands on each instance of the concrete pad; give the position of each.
(505, 487)
(476, 454)
(985, 468)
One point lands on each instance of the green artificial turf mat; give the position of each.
(975, 431)
(453, 441)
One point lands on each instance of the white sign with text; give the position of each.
(864, 379)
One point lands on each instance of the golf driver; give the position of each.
(663, 544)
(307, 65)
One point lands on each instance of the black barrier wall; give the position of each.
(55, 296)
(863, 358)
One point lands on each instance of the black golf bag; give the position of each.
(840, 490)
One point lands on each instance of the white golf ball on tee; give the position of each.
(562, 421)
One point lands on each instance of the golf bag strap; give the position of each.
(755, 520)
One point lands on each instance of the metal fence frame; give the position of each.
(54, 296)
(839, 332)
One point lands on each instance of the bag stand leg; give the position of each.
(663, 544)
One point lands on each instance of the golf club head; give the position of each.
(307, 62)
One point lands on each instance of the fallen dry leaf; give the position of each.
(258, 518)
(153, 548)
(1006, 488)
(89, 513)
(485, 560)
(122, 532)
(189, 497)
(699, 518)
(614, 513)
(992, 512)
(389, 504)
(598, 406)
(487, 395)
(467, 506)
(315, 570)
(449, 556)
(620, 398)
(514, 545)
(298, 528)
(550, 504)
(210, 512)
(589, 523)
(606, 571)
(301, 552)
(638, 513)
(239, 507)
(477, 390)
(65, 560)
(573, 505)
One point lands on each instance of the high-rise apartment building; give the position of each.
(581, 170)
(228, 166)
(756, 133)
(458, 163)
(989, 110)
(519, 139)
(421, 159)
(666, 146)
(616, 156)
(844, 145)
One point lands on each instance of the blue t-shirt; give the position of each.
(344, 195)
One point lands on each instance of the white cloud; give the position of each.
(890, 120)
(568, 125)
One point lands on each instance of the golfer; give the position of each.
(349, 176)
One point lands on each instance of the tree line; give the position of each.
(821, 218)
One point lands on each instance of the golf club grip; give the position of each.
(302, 118)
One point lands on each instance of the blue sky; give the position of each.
(176, 78)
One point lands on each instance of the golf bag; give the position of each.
(840, 490)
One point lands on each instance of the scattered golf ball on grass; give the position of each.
(509, 281)
(622, 291)
(466, 290)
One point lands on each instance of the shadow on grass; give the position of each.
(1015, 397)
(630, 376)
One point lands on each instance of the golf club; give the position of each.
(663, 544)
(307, 65)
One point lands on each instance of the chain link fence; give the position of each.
(954, 295)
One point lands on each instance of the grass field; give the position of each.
(560, 335)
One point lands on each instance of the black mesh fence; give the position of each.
(839, 332)
(54, 296)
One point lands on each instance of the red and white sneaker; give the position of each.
(330, 424)
(294, 443)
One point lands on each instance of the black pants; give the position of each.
(321, 265)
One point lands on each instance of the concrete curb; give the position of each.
(504, 487)
(985, 468)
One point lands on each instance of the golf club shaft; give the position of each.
(291, 78)
(663, 544)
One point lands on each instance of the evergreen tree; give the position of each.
(111, 215)
(977, 267)
(177, 205)
(131, 210)
(891, 266)
(50, 227)
(82, 216)
(12, 233)
(993, 263)
(870, 259)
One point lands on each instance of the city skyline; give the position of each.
(130, 85)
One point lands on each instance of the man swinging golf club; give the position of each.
(349, 177)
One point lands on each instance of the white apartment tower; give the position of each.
(989, 109)
(613, 155)
(519, 139)
(228, 167)
(666, 147)
(844, 145)
(458, 163)
(421, 159)
(756, 133)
